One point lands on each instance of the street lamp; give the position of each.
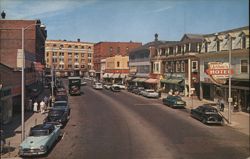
(23, 82)
(229, 80)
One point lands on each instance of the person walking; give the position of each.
(35, 105)
(42, 106)
(222, 105)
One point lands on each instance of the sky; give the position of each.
(129, 20)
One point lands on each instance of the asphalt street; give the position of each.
(121, 125)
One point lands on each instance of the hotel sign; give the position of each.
(218, 72)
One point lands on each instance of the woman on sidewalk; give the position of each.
(35, 107)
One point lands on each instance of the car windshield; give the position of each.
(210, 110)
(41, 132)
(60, 104)
(177, 97)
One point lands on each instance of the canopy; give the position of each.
(116, 75)
(151, 80)
(172, 81)
(139, 79)
(107, 75)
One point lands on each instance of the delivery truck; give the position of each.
(74, 85)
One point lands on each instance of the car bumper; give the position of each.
(214, 122)
(178, 105)
(31, 153)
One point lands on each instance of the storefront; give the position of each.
(174, 84)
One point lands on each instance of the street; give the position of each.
(108, 125)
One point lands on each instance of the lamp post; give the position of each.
(23, 82)
(229, 80)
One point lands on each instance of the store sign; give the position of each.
(218, 72)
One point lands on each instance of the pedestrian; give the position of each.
(50, 101)
(42, 106)
(35, 105)
(222, 105)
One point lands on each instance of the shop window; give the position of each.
(244, 66)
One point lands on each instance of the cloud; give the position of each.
(162, 9)
(23, 9)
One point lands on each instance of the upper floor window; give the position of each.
(244, 66)
(118, 64)
(178, 66)
(194, 65)
(182, 66)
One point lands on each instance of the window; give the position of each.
(182, 66)
(76, 60)
(194, 65)
(89, 55)
(82, 47)
(69, 66)
(82, 54)
(89, 47)
(47, 54)
(118, 64)
(178, 66)
(244, 66)
(172, 67)
(69, 46)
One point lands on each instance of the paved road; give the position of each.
(107, 125)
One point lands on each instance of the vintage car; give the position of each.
(150, 93)
(40, 140)
(97, 86)
(120, 85)
(174, 101)
(107, 86)
(57, 117)
(62, 105)
(115, 88)
(207, 114)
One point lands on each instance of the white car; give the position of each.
(150, 93)
(107, 86)
(121, 86)
(97, 86)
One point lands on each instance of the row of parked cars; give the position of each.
(42, 137)
(206, 113)
(149, 93)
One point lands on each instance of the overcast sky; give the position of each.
(125, 20)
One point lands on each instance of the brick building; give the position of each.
(69, 57)
(103, 50)
(11, 60)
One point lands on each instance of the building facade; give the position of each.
(11, 58)
(103, 50)
(142, 69)
(116, 69)
(180, 65)
(69, 58)
(216, 49)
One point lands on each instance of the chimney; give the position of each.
(3, 14)
(78, 40)
(156, 37)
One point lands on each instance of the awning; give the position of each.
(123, 75)
(139, 79)
(172, 81)
(128, 78)
(107, 75)
(151, 80)
(116, 75)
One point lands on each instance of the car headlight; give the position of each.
(43, 148)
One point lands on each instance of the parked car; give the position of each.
(115, 88)
(150, 93)
(61, 98)
(174, 101)
(120, 85)
(61, 91)
(207, 114)
(137, 90)
(62, 105)
(57, 117)
(97, 86)
(107, 86)
(131, 87)
(40, 140)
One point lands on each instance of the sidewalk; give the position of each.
(239, 120)
(12, 131)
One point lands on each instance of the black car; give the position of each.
(207, 114)
(115, 88)
(57, 116)
(174, 101)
